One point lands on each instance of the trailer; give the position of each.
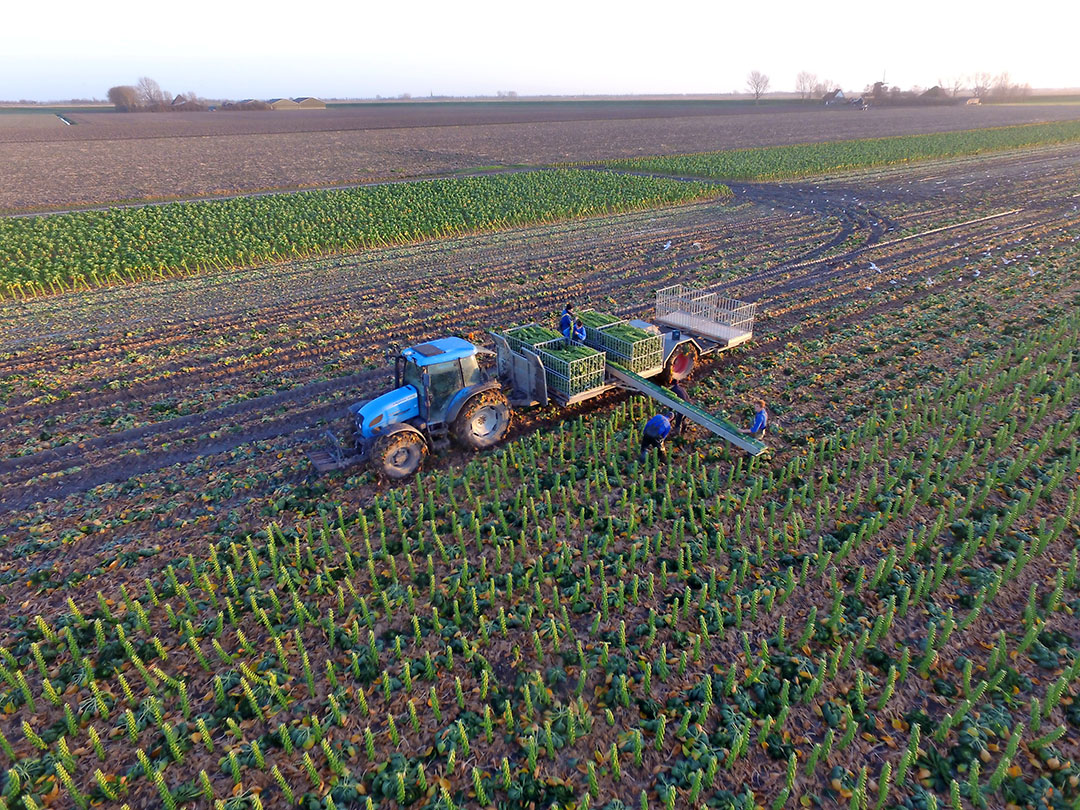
(442, 394)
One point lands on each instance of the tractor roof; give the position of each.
(439, 351)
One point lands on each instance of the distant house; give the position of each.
(974, 102)
(834, 97)
(310, 103)
(282, 104)
(184, 104)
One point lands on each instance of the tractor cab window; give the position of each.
(445, 382)
(412, 375)
(470, 371)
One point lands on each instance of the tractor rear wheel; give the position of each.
(484, 421)
(399, 455)
(680, 365)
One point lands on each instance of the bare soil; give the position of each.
(109, 157)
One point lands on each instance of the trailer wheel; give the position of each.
(484, 421)
(680, 365)
(399, 455)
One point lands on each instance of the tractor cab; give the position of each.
(439, 392)
(438, 371)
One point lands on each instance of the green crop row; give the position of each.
(51, 253)
(776, 162)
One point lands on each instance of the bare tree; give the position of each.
(124, 97)
(757, 83)
(1003, 86)
(805, 83)
(980, 84)
(151, 96)
(823, 87)
(955, 85)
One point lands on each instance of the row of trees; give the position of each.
(806, 84)
(147, 96)
(981, 85)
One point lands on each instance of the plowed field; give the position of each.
(109, 157)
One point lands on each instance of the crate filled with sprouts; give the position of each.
(639, 351)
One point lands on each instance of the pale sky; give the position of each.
(58, 49)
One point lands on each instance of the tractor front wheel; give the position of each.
(399, 455)
(680, 365)
(484, 421)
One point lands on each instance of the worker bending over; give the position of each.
(575, 332)
(656, 430)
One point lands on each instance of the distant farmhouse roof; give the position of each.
(834, 97)
(282, 104)
(310, 103)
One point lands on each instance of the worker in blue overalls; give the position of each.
(567, 319)
(575, 332)
(656, 430)
(761, 420)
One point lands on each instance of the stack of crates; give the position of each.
(569, 369)
(627, 345)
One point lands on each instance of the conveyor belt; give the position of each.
(721, 427)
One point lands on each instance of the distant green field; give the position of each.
(778, 162)
(44, 253)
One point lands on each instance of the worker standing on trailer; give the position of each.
(575, 332)
(567, 319)
(656, 430)
(680, 392)
(761, 420)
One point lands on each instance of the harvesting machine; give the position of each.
(441, 393)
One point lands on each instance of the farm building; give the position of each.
(282, 104)
(974, 102)
(833, 97)
(310, 103)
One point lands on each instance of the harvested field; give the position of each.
(22, 126)
(109, 157)
(881, 612)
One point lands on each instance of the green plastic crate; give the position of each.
(631, 347)
(582, 371)
(531, 335)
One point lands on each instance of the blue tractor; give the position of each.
(440, 393)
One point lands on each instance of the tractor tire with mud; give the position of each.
(399, 455)
(681, 364)
(484, 421)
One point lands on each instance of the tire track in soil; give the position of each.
(195, 428)
(170, 376)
